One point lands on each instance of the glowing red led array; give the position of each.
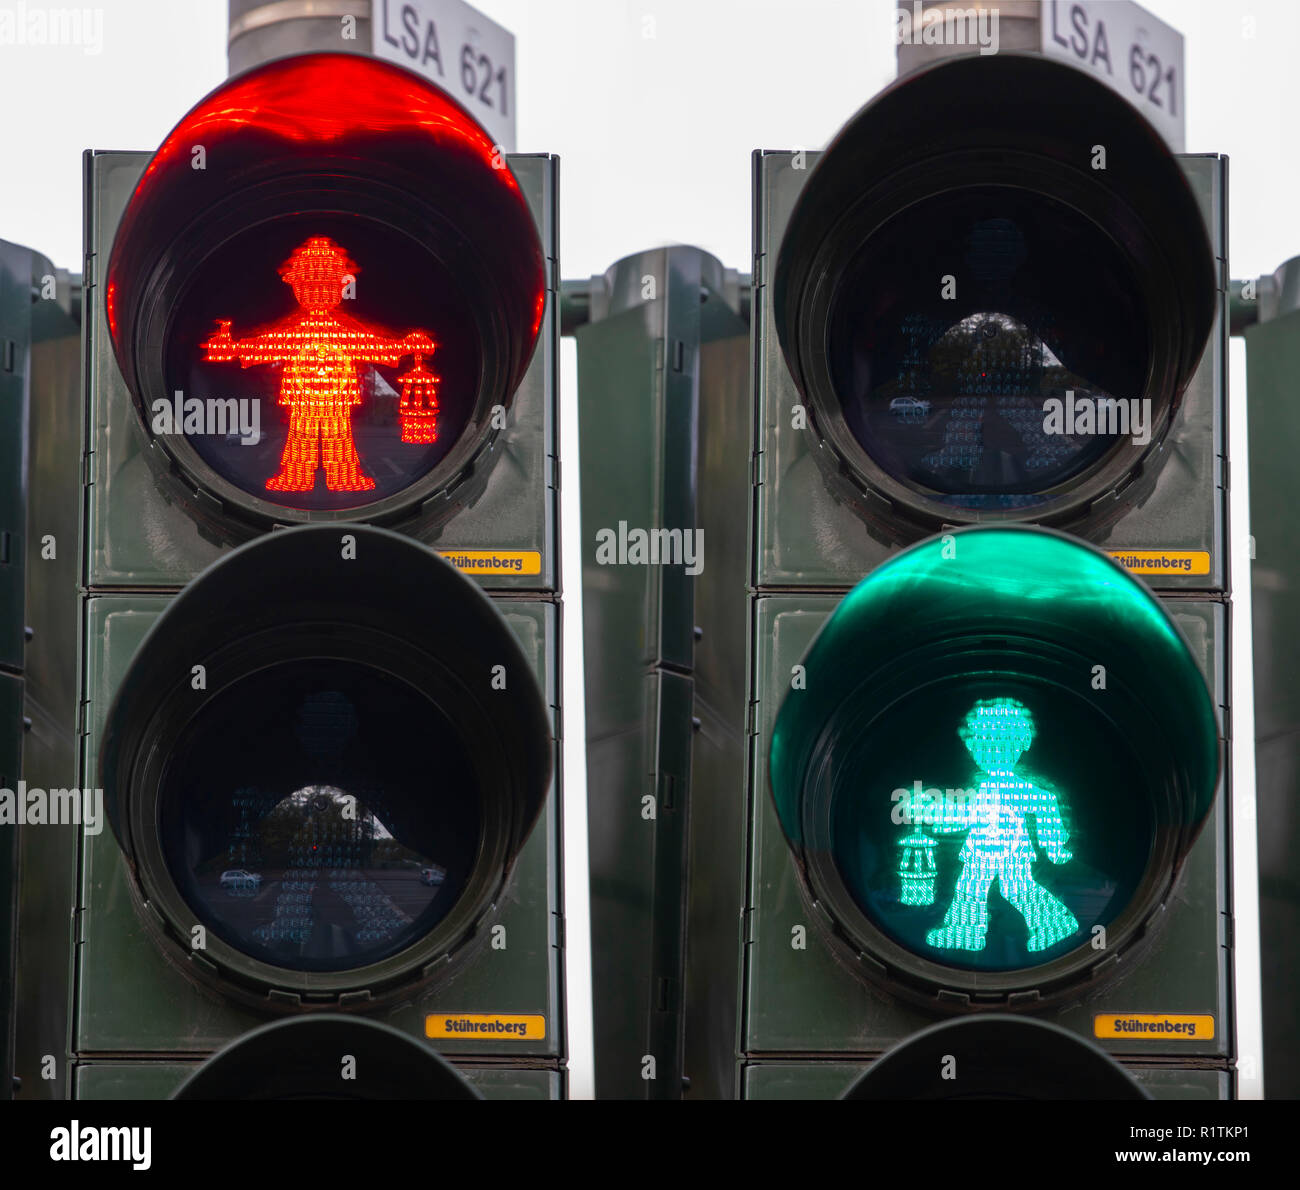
(320, 349)
(419, 412)
(319, 98)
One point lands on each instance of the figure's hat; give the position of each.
(319, 259)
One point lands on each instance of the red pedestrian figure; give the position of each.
(320, 350)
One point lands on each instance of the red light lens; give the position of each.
(317, 336)
(318, 173)
(319, 351)
(319, 98)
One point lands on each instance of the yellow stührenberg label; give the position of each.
(1153, 1026)
(1148, 562)
(494, 561)
(485, 1026)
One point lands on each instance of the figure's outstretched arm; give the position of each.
(1053, 835)
(375, 349)
(266, 348)
(219, 348)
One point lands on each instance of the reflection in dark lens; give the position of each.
(959, 320)
(320, 815)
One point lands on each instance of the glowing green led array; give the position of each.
(1029, 669)
(998, 848)
(917, 870)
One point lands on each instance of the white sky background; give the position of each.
(654, 133)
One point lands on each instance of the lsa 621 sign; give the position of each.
(457, 47)
(1127, 48)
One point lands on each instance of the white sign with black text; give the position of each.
(458, 48)
(1124, 45)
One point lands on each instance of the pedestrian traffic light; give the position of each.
(936, 283)
(993, 707)
(322, 307)
(979, 774)
(298, 246)
(1010, 320)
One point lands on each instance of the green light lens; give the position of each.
(1024, 827)
(997, 732)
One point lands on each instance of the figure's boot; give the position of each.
(342, 465)
(291, 481)
(1048, 919)
(1055, 924)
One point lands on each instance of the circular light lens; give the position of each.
(990, 823)
(320, 362)
(987, 345)
(320, 815)
(999, 742)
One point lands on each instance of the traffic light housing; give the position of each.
(662, 373)
(40, 363)
(450, 242)
(926, 285)
(990, 261)
(321, 428)
(928, 293)
(996, 705)
(360, 732)
(429, 230)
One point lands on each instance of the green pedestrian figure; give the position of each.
(998, 847)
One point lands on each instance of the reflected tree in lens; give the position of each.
(959, 320)
(305, 830)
